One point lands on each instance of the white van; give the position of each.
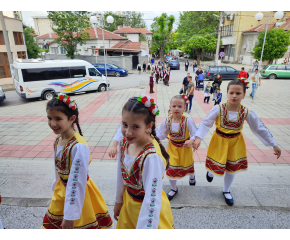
(43, 78)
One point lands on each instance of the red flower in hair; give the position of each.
(73, 107)
(144, 99)
(151, 108)
(152, 100)
(60, 97)
(67, 102)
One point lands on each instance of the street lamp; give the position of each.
(95, 22)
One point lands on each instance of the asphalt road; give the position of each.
(130, 81)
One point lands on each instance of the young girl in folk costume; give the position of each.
(227, 153)
(144, 66)
(148, 67)
(180, 131)
(157, 74)
(166, 74)
(151, 82)
(76, 202)
(142, 160)
(139, 68)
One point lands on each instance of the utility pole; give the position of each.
(219, 39)
(6, 39)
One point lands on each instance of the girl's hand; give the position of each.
(67, 224)
(196, 143)
(277, 151)
(117, 210)
(188, 143)
(113, 151)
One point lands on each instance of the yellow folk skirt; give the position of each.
(180, 162)
(226, 154)
(130, 210)
(94, 213)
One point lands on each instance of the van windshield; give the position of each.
(94, 72)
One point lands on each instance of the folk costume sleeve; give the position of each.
(260, 130)
(118, 135)
(207, 123)
(153, 169)
(74, 198)
(120, 184)
(191, 128)
(56, 177)
(162, 132)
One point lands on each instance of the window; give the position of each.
(232, 51)
(42, 74)
(16, 77)
(54, 50)
(230, 69)
(4, 66)
(21, 55)
(18, 38)
(213, 69)
(2, 42)
(76, 72)
(272, 68)
(281, 68)
(94, 72)
(222, 69)
(62, 50)
(288, 68)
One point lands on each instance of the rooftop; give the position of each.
(132, 30)
(262, 27)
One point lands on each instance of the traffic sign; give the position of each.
(222, 54)
(96, 50)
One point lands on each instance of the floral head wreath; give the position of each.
(67, 100)
(185, 97)
(244, 81)
(149, 103)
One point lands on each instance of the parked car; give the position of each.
(2, 95)
(174, 64)
(226, 72)
(187, 56)
(273, 71)
(168, 58)
(112, 69)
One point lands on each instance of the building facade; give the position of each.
(42, 25)
(134, 34)
(14, 28)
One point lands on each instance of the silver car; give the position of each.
(2, 95)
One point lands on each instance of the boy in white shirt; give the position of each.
(255, 78)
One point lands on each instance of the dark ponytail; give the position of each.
(136, 107)
(58, 105)
(163, 150)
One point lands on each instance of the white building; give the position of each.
(42, 25)
(134, 34)
(250, 39)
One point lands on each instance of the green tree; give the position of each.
(143, 37)
(33, 49)
(197, 31)
(126, 18)
(161, 27)
(276, 45)
(70, 28)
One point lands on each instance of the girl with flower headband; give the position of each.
(142, 160)
(76, 202)
(180, 131)
(227, 153)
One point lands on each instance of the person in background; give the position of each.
(148, 67)
(144, 66)
(207, 92)
(218, 98)
(255, 65)
(216, 84)
(256, 77)
(186, 65)
(139, 68)
(151, 82)
(194, 65)
(190, 92)
(243, 73)
(285, 61)
(199, 71)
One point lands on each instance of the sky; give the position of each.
(148, 16)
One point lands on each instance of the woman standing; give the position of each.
(216, 84)
(194, 65)
(186, 65)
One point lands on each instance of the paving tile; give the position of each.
(18, 154)
(31, 154)
(98, 155)
(100, 149)
(43, 155)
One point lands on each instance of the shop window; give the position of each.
(21, 55)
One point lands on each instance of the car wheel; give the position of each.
(48, 95)
(102, 88)
(117, 74)
(178, 68)
(272, 76)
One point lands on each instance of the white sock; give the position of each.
(210, 174)
(192, 178)
(228, 180)
(173, 186)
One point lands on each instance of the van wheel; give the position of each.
(48, 95)
(272, 76)
(102, 88)
(117, 74)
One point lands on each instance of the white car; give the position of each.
(2, 95)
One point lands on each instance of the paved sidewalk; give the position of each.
(26, 163)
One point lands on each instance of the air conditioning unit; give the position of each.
(230, 17)
(86, 48)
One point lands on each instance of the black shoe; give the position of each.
(208, 178)
(190, 183)
(230, 202)
(171, 197)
